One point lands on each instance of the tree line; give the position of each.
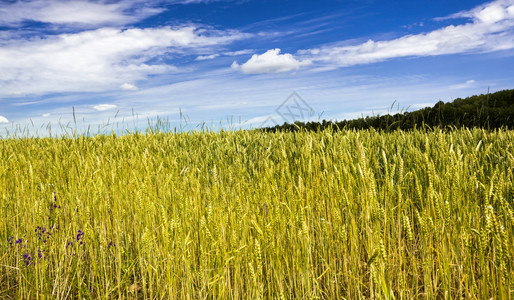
(489, 111)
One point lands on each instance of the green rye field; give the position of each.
(254, 215)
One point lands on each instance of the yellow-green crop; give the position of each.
(249, 215)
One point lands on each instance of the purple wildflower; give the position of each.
(80, 235)
(27, 258)
(10, 240)
(54, 205)
(18, 241)
(42, 233)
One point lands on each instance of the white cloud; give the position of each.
(486, 13)
(128, 87)
(239, 52)
(491, 14)
(75, 12)
(271, 62)
(228, 53)
(97, 60)
(467, 84)
(207, 57)
(103, 107)
(46, 115)
(491, 29)
(3, 119)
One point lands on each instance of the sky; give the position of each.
(122, 65)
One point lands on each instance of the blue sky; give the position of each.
(118, 64)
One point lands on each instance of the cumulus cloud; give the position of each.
(75, 12)
(491, 28)
(486, 13)
(3, 120)
(103, 107)
(128, 87)
(270, 62)
(96, 60)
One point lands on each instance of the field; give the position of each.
(253, 215)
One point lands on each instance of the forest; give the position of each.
(486, 111)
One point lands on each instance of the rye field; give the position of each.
(423, 214)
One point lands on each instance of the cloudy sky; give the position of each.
(112, 65)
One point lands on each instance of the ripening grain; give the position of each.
(248, 215)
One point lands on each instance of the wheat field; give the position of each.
(251, 215)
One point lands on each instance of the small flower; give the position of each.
(10, 240)
(111, 244)
(18, 241)
(69, 244)
(80, 235)
(27, 258)
(41, 232)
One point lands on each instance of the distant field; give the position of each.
(249, 215)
